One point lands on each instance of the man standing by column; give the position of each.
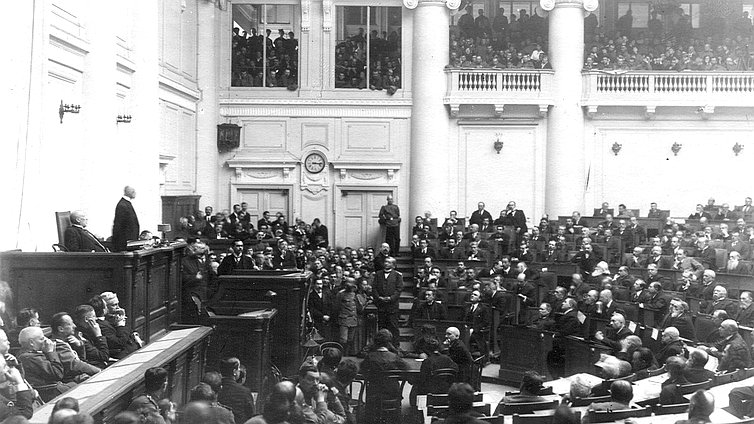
(390, 217)
(126, 223)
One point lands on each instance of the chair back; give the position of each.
(678, 408)
(589, 400)
(612, 416)
(494, 419)
(704, 326)
(442, 379)
(539, 418)
(528, 407)
(63, 220)
(658, 371)
(441, 399)
(726, 378)
(686, 389)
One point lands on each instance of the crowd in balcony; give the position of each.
(260, 61)
(384, 61)
(501, 43)
(671, 47)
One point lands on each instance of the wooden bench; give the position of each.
(181, 352)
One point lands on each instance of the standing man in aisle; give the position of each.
(386, 291)
(126, 223)
(390, 217)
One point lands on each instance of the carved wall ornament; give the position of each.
(260, 174)
(365, 175)
(306, 15)
(326, 15)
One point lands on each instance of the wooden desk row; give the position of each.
(181, 352)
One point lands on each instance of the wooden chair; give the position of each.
(730, 377)
(57, 247)
(612, 416)
(527, 407)
(63, 221)
(544, 391)
(658, 371)
(539, 418)
(686, 389)
(494, 419)
(441, 411)
(678, 408)
(476, 372)
(443, 378)
(441, 399)
(589, 400)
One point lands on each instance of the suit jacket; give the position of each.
(387, 286)
(741, 269)
(479, 319)
(671, 349)
(568, 324)
(738, 355)
(435, 311)
(586, 264)
(460, 354)
(640, 296)
(238, 398)
(740, 247)
(319, 306)
(728, 305)
(683, 323)
(745, 317)
(708, 258)
(455, 253)
(478, 218)
(120, 340)
(79, 239)
(125, 225)
(640, 233)
(229, 263)
(658, 301)
(418, 254)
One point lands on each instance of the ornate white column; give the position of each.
(566, 170)
(429, 119)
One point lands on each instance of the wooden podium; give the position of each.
(245, 290)
(147, 283)
(523, 349)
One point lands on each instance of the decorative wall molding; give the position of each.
(254, 167)
(366, 171)
(164, 161)
(327, 15)
(321, 109)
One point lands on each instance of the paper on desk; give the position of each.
(632, 326)
(655, 334)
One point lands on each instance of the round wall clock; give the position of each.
(314, 163)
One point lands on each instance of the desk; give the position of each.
(109, 392)
(524, 349)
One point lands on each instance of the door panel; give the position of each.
(357, 218)
(261, 200)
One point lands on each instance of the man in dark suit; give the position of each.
(232, 394)
(515, 218)
(477, 217)
(265, 220)
(657, 300)
(706, 255)
(604, 210)
(552, 254)
(78, 239)
(587, 259)
(424, 250)
(640, 233)
(613, 246)
(126, 223)
(320, 309)
(724, 214)
(720, 301)
(387, 290)
(237, 260)
(745, 315)
(478, 317)
(578, 220)
(428, 308)
(459, 354)
(679, 318)
(615, 332)
(452, 251)
(640, 293)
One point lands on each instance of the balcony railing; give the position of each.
(498, 87)
(705, 90)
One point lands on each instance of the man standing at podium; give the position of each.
(126, 223)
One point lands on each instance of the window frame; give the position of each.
(338, 21)
(295, 27)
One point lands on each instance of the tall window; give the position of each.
(692, 10)
(368, 48)
(265, 47)
(639, 12)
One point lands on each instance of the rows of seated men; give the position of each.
(237, 225)
(656, 50)
(220, 397)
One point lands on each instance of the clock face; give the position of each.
(314, 163)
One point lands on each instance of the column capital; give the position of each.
(588, 5)
(450, 4)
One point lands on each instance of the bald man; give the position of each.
(735, 353)
(126, 223)
(42, 363)
(671, 345)
(78, 238)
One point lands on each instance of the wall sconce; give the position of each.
(737, 148)
(63, 109)
(616, 148)
(498, 145)
(123, 119)
(675, 148)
